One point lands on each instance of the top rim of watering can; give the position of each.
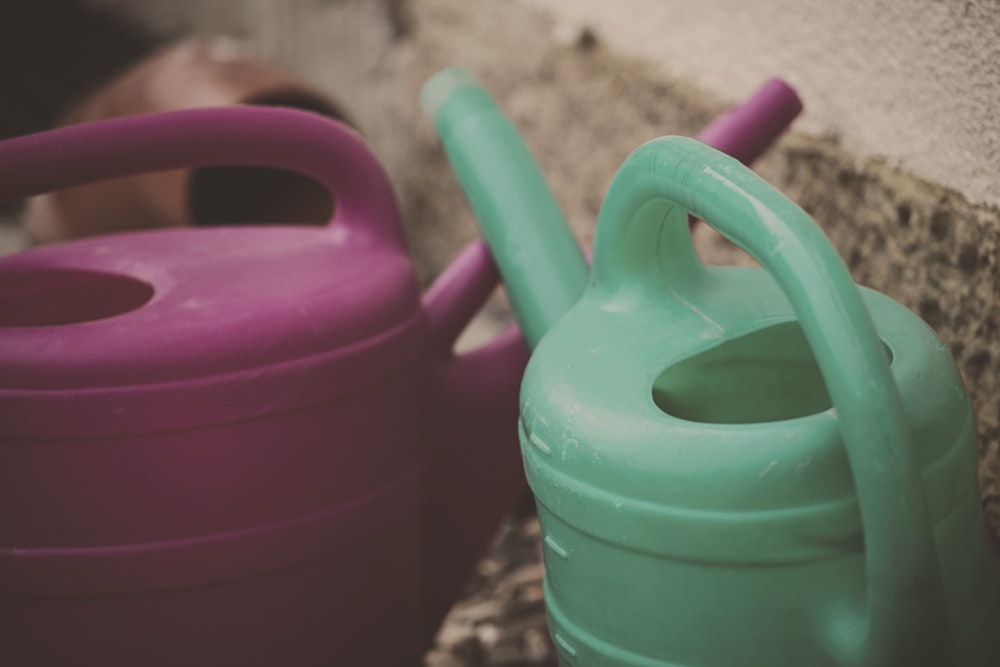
(223, 300)
(587, 462)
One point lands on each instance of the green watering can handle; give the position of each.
(643, 247)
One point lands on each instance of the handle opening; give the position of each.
(291, 140)
(256, 195)
(240, 195)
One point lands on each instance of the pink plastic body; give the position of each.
(240, 446)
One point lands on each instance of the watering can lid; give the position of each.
(160, 307)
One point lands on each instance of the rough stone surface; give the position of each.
(927, 248)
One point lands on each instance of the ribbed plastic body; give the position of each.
(749, 466)
(242, 446)
(733, 466)
(212, 474)
(673, 542)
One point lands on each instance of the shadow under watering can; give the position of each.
(732, 466)
(240, 445)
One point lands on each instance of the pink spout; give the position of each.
(475, 465)
(747, 130)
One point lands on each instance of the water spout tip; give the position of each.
(440, 87)
(783, 95)
(746, 131)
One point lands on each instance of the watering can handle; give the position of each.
(642, 241)
(308, 143)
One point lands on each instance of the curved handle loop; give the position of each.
(642, 235)
(308, 143)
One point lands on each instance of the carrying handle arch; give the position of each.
(300, 141)
(642, 240)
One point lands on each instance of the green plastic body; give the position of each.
(734, 467)
(728, 468)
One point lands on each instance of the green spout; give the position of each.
(543, 267)
(541, 263)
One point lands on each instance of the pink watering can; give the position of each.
(243, 445)
(240, 446)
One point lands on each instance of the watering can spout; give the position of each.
(542, 266)
(544, 270)
(745, 131)
(474, 471)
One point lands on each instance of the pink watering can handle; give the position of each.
(300, 141)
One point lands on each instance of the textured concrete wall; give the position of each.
(916, 83)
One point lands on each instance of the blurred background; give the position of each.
(896, 155)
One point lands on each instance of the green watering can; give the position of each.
(733, 466)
